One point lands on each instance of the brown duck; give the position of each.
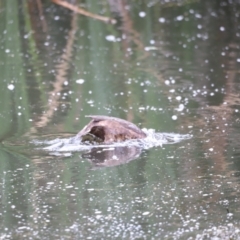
(104, 129)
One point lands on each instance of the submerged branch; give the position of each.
(84, 12)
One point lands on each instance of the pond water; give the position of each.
(168, 66)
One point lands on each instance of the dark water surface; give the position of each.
(171, 66)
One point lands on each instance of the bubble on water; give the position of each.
(174, 117)
(90, 101)
(149, 48)
(80, 81)
(114, 157)
(145, 213)
(167, 82)
(197, 15)
(142, 14)
(222, 28)
(179, 18)
(178, 98)
(110, 38)
(161, 20)
(11, 86)
(50, 183)
(23, 227)
(180, 107)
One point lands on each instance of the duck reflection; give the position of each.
(110, 157)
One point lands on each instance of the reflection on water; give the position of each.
(168, 65)
(111, 157)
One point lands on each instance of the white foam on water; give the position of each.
(153, 139)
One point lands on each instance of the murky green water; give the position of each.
(172, 66)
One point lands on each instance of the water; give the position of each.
(172, 68)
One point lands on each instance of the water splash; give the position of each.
(153, 139)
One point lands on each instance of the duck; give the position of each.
(107, 129)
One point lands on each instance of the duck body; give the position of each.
(105, 129)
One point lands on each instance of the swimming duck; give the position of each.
(104, 129)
